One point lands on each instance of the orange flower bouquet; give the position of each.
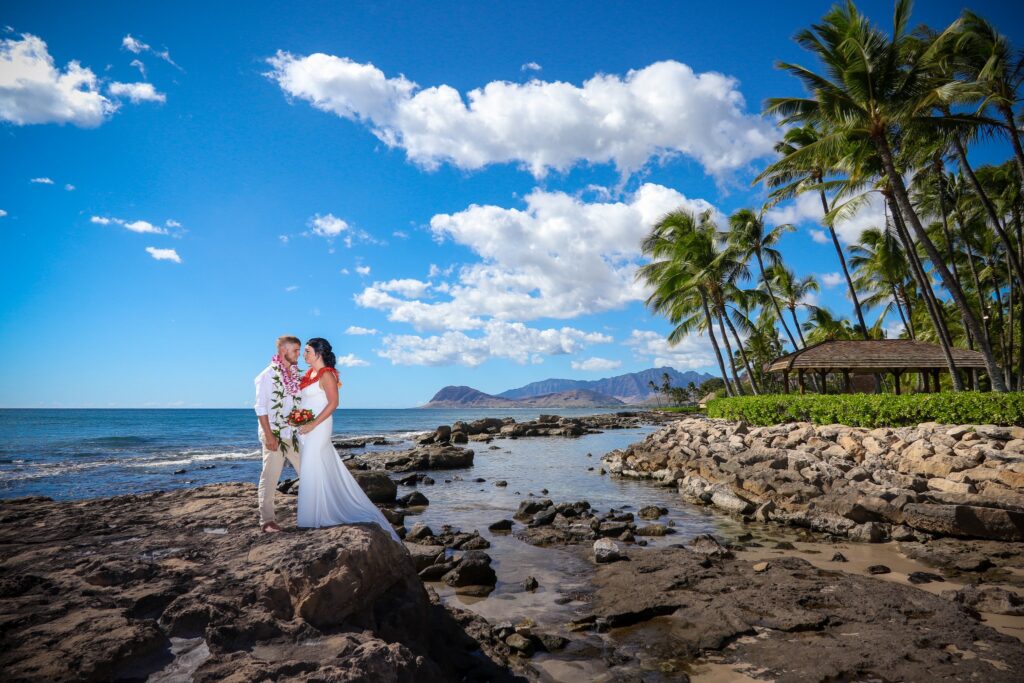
(300, 417)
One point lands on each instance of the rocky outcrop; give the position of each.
(810, 624)
(868, 484)
(110, 590)
(545, 425)
(433, 457)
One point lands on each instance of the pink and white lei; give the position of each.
(289, 376)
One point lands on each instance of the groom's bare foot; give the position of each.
(271, 528)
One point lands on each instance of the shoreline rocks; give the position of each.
(487, 429)
(96, 590)
(909, 483)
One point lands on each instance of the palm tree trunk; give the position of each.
(1011, 128)
(910, 313)
(940, 178)
(899, 309)
(728, 350)
(796, 324)
(977, 281)
(1009, 332)
(743, 355)
(970, 321)
(990, 208)
(775, 303)
(931, 305)
(846, 271)
(714, 342)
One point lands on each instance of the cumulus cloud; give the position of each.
(139, 226)
(291, 288)
(694, 352)
(530, 66)
(69, 187)
(136, 92)
(596, 364)
(407, 287)
(363, 270)
(806, 210)
(356, 330)
(328, 225)
(34, 90)
(42, 181)
(558, 257)
(831, 279)
(2, 213)
(514, 341)
(164, 254)
(660, 111)
(350, 360)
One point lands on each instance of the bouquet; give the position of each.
(300, 417)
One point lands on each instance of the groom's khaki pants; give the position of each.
(273, 463)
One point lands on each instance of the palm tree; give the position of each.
(749, 236)
(883, 273)
(822, 326)
(877, 91)
(788, 179)
(793, 292)
(683, 251)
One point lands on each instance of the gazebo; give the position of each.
(874, 356)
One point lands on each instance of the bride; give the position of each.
(328, 493)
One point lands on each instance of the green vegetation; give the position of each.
(873, 410)
(681, 409)
(889, 116)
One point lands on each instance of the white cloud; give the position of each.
(139, 65)
(400, 234)
(694, 352)
(139, 226)
(350, 361)
(2, 213)
(363, 270)
(344, 271)
(660, 111)
(133, 45)
(558, 257)
(69, 187)
(330, 226)
(136, 46)
(407, 287)
(514, 341)
(136, 92)
(595, 364)
(171, 223)
(530, 66)
(284, 239)
(356, 330)
(33, 90)
(831, 279)
(437, 271)
(42, 181)
(291, 288)
(806, 210)
(164, 254)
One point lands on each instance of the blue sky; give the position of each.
(465, 181)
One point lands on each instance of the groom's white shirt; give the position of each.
(265, 401)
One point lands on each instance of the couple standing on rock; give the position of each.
(329, 494)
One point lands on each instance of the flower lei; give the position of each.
(286, 382)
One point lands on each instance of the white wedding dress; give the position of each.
(328, 493)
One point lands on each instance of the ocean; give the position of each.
(89, 453)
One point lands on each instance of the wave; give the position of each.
(190, 458)
(116, 441)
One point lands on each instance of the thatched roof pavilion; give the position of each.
(874, 356)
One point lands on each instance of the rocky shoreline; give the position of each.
(120, 588)
(905, 484)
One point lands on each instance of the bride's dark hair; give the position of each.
(322, 348)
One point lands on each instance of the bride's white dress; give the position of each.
(328, 493)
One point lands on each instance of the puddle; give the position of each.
(189, 654)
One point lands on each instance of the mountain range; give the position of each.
(621, 390)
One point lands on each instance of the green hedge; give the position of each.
(873, 410)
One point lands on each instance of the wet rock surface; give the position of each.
(790, 621)
(97, 590)
(487, 429)
(919, 482)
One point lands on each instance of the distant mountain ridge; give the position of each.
(621, 390)
(629, 388)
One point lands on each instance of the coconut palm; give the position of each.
(793, 292)
(749, 236)
(876, 92)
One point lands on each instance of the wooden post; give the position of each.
(924, 379)
(936, 387)
(896, 380)
(800, 376)
(785, 381)
(846, 382)
(974, 379)
(824, 377)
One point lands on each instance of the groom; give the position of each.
(276, 389)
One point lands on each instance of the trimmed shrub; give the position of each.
(681, 409)
(873, 410)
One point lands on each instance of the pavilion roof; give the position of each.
(874, 355)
